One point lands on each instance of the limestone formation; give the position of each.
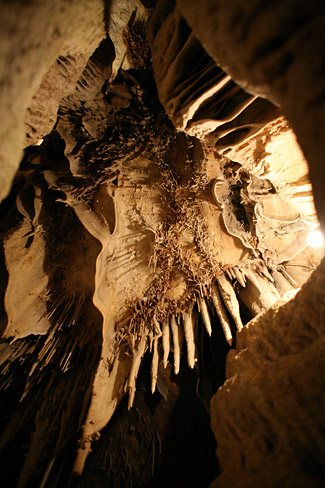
(277, 369)
(158, 221)
(273, 62)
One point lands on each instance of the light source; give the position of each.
(315, 238)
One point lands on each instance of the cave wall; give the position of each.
(277, 381)
(45, 47)
(283, 62)
(268, 416)
(33, 36)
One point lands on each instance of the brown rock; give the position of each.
(268, 416)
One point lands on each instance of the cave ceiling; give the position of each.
(156, 193)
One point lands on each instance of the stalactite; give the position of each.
(188, 323)
(155, 354)
(136, 361)
(205, 314)
(165, 341)
(239, 276)
(262, 269)
(281, 283)
(251, 276)
(177, 335)
(289, 278)
(230, 300)
(166, 205)
(154, 365)
(218, 304)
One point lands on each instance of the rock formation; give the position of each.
(158, 222)
(276, 372)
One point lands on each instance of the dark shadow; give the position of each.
(157, 443)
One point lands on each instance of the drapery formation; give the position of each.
(165, 198)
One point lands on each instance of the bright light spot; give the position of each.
(315, 238)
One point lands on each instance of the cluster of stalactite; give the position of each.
(218, 306)
(122, 234)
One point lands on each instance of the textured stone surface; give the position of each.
(122, 235)
(274, 62)
(198, 96)
(58, 82)
(268, 416)
(33, 35)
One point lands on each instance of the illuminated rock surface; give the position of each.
(158, 221)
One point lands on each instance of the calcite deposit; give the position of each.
(157, 222)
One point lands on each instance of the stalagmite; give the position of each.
(230, 300)
(222, 314)
(188, 323)
(205, 314)
(176, 333)
(165, 342)
(136, 361)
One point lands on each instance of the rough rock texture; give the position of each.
(33, 36)
(134, 243)
(167, 240)
(283, 62)
(204, 101)
(58, 82)
(268, 416)
(121, 14)
(157, 443)
(198, 96)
